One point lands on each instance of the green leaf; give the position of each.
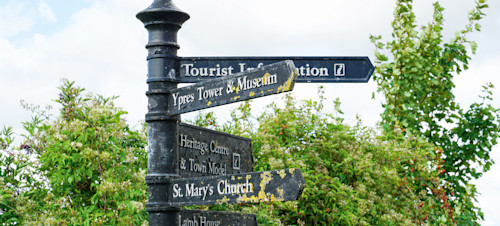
(396, 72)
(473, 46)
(478, 27)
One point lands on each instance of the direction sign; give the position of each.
(267, 80)
(310, 69)
(268, 186)
(205, 152)
(215, 218)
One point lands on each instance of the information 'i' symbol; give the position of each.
(236, 161)
(339, 69)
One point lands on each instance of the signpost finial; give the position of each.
(162, 11)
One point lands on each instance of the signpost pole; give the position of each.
(162, 20)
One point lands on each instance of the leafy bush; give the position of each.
(417, 82)
(353, 175)
(86, 166)
(90, 167)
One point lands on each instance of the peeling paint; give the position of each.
(288, 84)
(224, 200)
(280, 192)
(265, 78)
(282, 173)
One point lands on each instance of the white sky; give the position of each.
(100, 45)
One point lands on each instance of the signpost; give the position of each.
(204, 152)
(189, 165)
(268, 186)
(310, 69)
(267, 80)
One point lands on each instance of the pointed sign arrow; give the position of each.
(326, 69)
(272, 79)
(268, 186)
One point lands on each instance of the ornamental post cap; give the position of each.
(162, 11)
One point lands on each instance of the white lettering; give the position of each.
(225, 188)
(205, 94)
(195, 72)
(196, 167)
(312, 71)
(193, 144)
(230, 70)
(191, 71)
(216, 169)
(175, 95)
(180, 100)
(323, 71)
(201, 221)
(267, 79)
(187, 66)
(242, 67)
(177, 191)
(192, 190)
(215, 148)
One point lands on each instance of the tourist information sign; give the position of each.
(268, 186)
(267, 80)
(205, 152)
(214, 218)
(310, 69)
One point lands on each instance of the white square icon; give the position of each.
(339, 69)
(236, 161)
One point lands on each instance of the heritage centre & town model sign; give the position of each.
(205, 152)
(189, 165)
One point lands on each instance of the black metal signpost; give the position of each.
(189, 165)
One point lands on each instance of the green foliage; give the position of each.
(86, 166)
(417, 81)
(11, 169)
(353, 175)
(92, 165)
